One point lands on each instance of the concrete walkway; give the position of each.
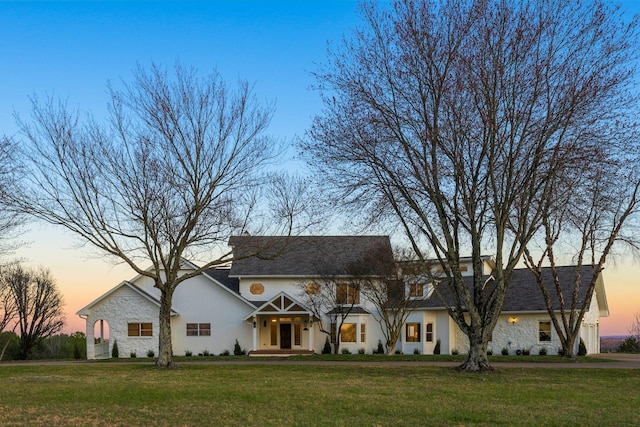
(610, 361)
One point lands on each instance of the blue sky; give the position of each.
(71, 49)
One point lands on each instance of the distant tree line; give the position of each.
(61, 346)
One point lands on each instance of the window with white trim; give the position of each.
(140, 329)
(198, 329)
(413, 332)
(544, 331)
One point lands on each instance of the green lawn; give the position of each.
(95, 394)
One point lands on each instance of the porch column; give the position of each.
(255, 333)
(311, 336)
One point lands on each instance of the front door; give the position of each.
(285, 335)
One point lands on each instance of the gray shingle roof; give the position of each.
(305, 256)
(222, 276)
(523, 293)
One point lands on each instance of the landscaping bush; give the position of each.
(133, 355)
(436, 350)
(224, 353)
(416, 351)
(543, 351)
(188, 353)
(455, 351)
(115, 353)
(505, 351)
(380, 348)
(361, 351)
(582, 349)
(345, 351)
(205, 353)
(327, 347)
(489, 352)
(526, 352)
(237, 350)
(150, 353)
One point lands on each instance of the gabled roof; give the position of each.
(306, 256)
(524, 295)
(280, 304)
(84, 311)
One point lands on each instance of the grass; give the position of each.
(257, 394)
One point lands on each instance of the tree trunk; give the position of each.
(165, 349)
(477, 359)
(568, 345)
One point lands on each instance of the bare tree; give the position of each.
(174, 172)
(10, 171)
(331, 299)
(450, 118)
(394, 291)
(585, 214)
(38, 303)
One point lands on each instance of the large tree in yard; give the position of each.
(175, 170)
(452, 119)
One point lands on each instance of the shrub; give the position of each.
(630, 345)
(115, 352)
(345, 351)
(188, 353)
(505, 351)
(526, 352)
(327, 347)
(133, 355)
(455, 351)
(398, 352)
(582, 349)
(436, 349)
(150, 353)
(361, 351)
(380, 348)
(489, 352)
(416, 351)
(561, 352)
(204, 353)
(224, 353)
(543, 351)
(237, 350)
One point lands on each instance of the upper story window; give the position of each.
(416, 290)
(347, 294)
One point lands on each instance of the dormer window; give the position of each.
(416, 290)
(347, 294)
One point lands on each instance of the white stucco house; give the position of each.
(258, 301)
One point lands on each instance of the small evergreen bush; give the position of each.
(436, 350)
(526, 352)
(188, 353)
(237, 350)
(380, 347)
(361, 351)
(115, 352)
(205, 353)
(489, 352)
(150, 353)
(505, 351)
(416, 351)
(133, 355)
(582, 349)
(327, 347)
(543, 351)
(225, 353)
(345, 351)
(455, 351)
